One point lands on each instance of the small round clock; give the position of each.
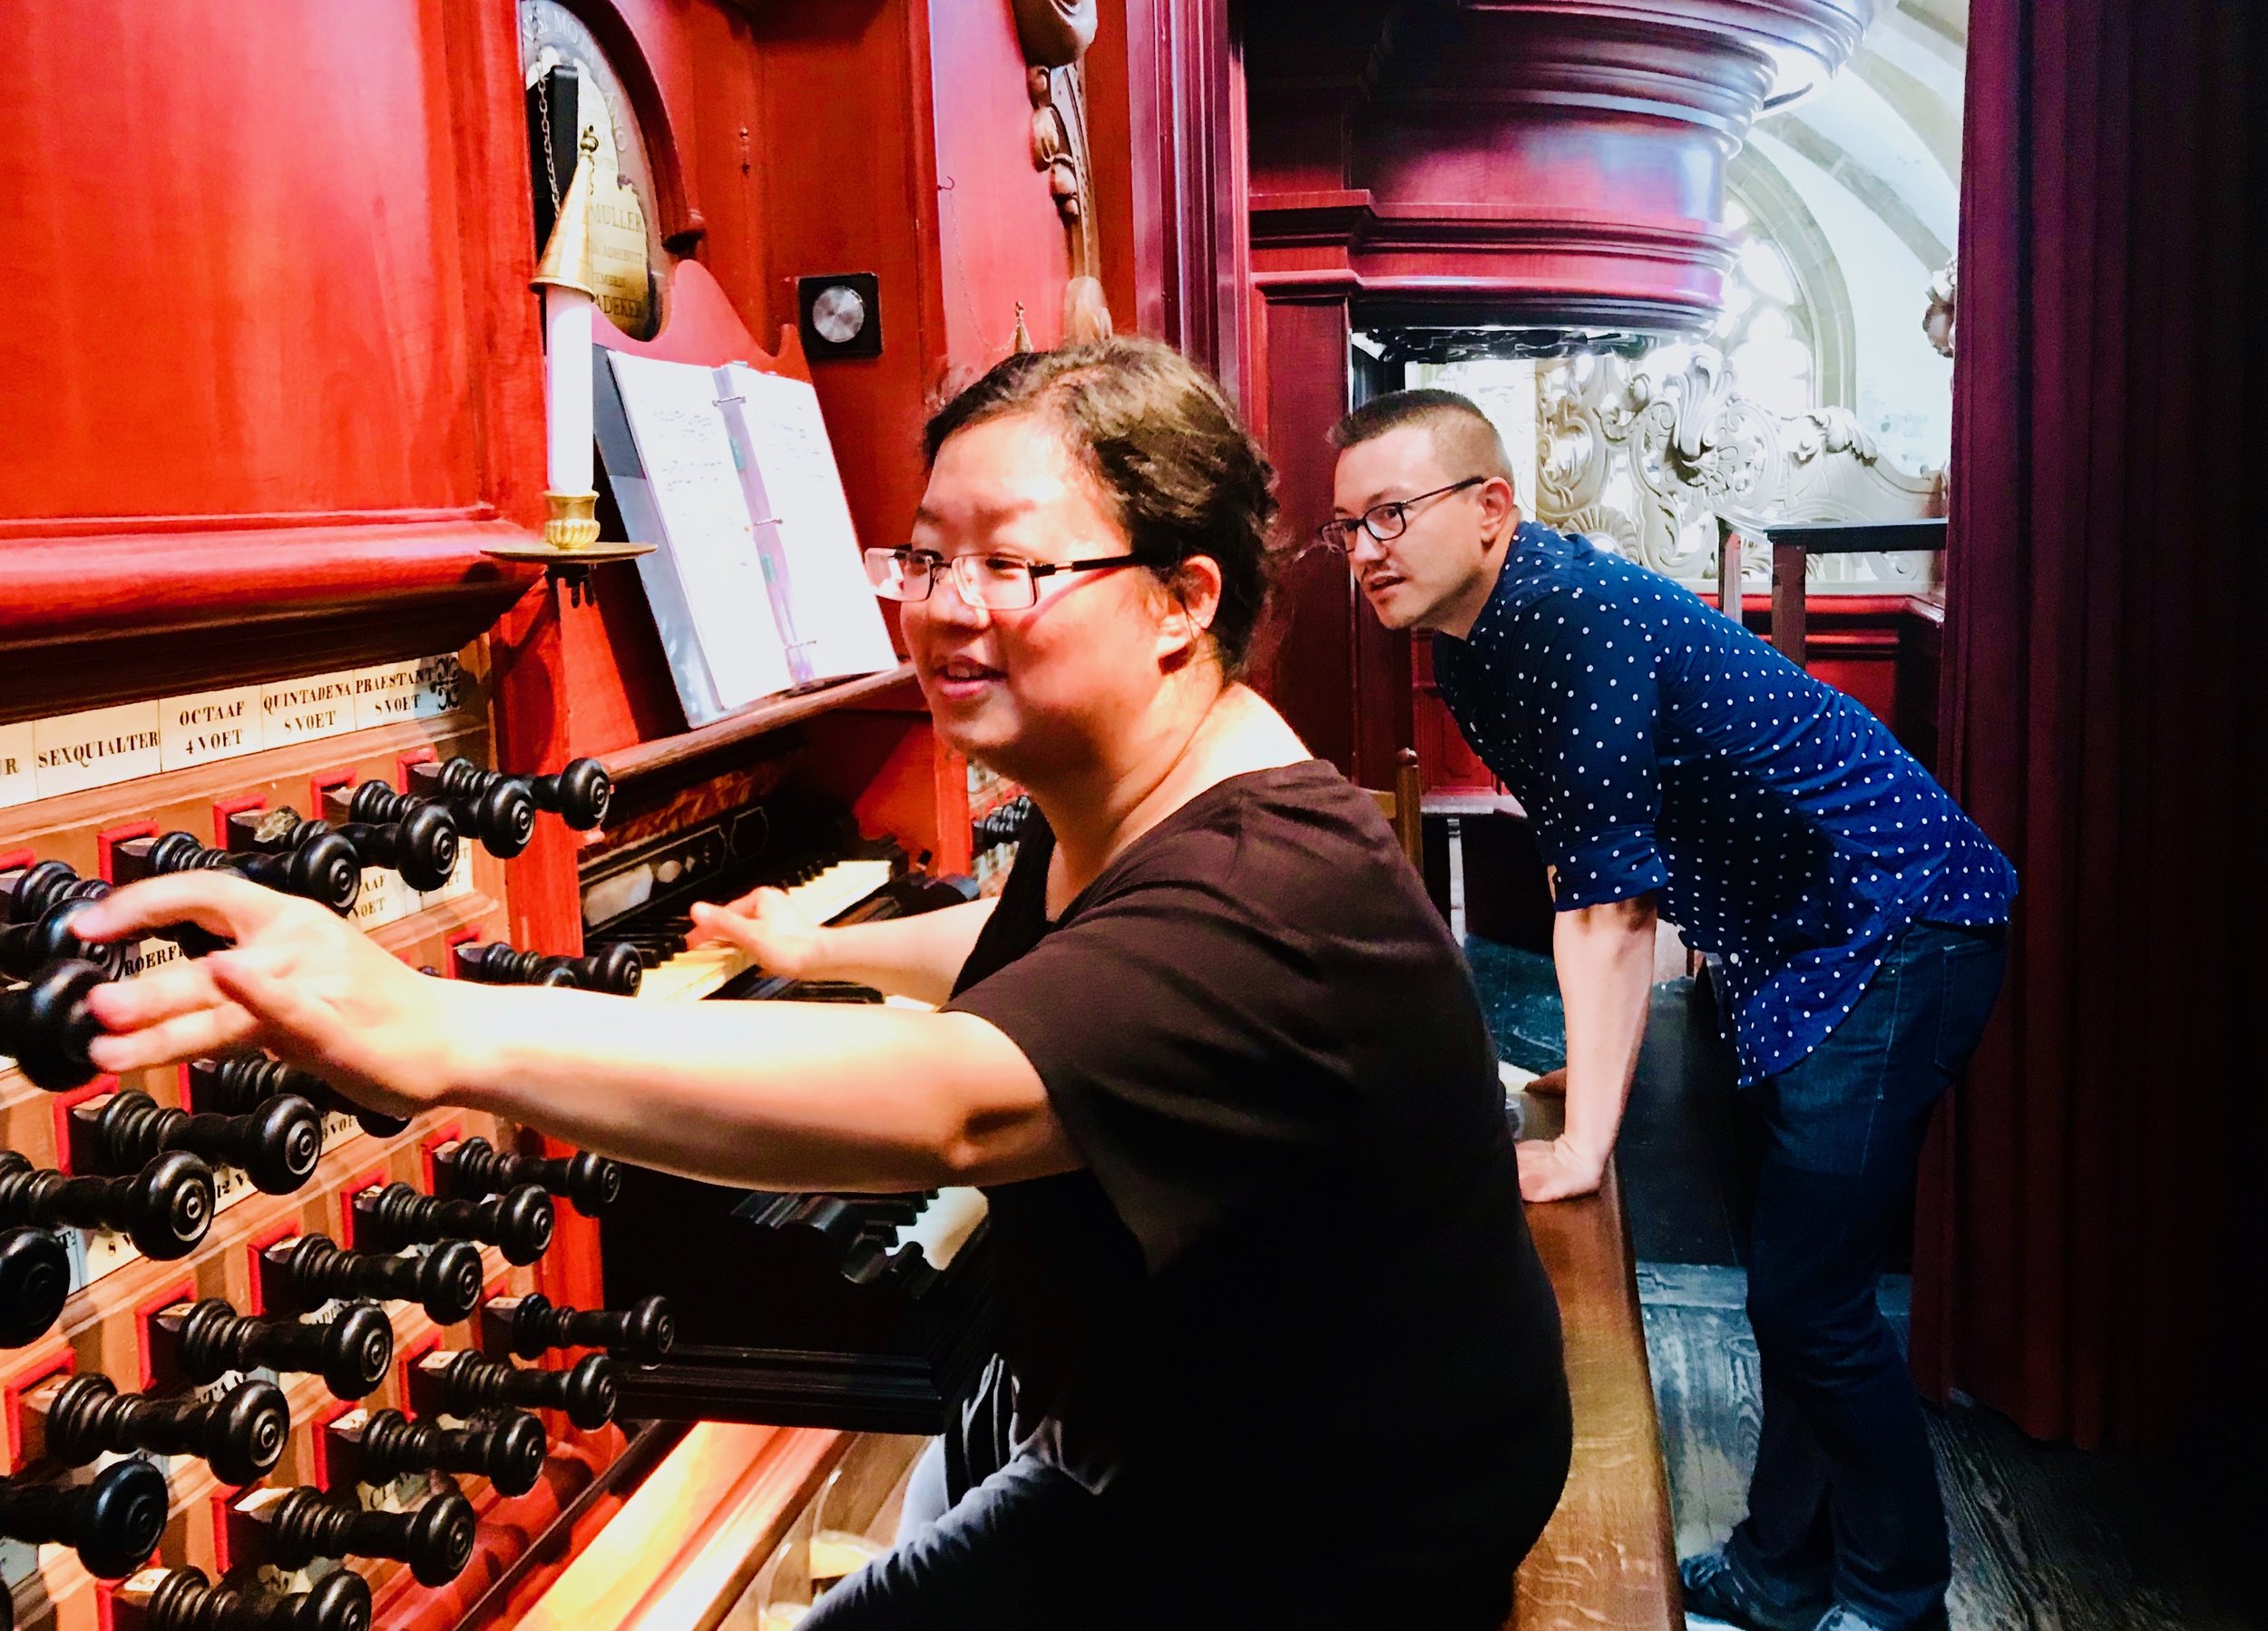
(842, 314)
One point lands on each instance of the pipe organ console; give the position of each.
(236, 637)
(267, 1360)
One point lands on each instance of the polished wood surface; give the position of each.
(1606, 1559)
(685, 1546)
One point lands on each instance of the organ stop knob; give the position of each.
(277, 1143)
(506, 1447)
(476, 1167)
(235, 1085)
(164, 1209)
(614, 968)
(113, 1523)
(422, 843)
(44, 1025)
(518, 1222)
(297, 1525)
(503, 817)
(351, 1353)
(530, 1326)
(325, 869)
(241, 1434)
(460, 1383)
(34, 1279)
(183, 1599)
(578, 794)
(303, 1274)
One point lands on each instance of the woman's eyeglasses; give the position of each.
(996, 583)
(1385, 521)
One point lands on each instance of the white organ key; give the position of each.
(693, 974)
(943, 1226)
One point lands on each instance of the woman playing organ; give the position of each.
(1275, 1347)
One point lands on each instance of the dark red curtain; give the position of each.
(2088, 1240)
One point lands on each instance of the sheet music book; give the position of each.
(756, 585)
(830, 620)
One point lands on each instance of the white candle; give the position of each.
(567, 387)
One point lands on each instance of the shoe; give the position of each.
(1840, 1618)
(1715, 1589)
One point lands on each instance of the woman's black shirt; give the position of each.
(1292, 1290)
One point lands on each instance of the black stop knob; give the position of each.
(423, 845)
(506, 1447)
(518, 1222)
(165, 1208)
(113, 1523)
(580, 793)
(502, 816)
(325, 869)
(585, 1391)
(476, 1167)
(31, 893)
(436, 1539)
(351, 1353)
(45, 1026)
(235, 1085)
(305, 1274)
(614, 968)
(184, 1600)
(420, 842)
(277, 1143)
(25, 948)
(34, 1279)
(530, 1327)
(241, 1434)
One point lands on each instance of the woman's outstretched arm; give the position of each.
(769, 1095)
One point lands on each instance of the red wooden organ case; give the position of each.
(279, 396)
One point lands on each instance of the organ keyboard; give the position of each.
(863, 1311)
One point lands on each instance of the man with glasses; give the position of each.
(1670, 760)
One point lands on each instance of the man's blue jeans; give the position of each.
(1844, 1503)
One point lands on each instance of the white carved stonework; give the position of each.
(1645, 455)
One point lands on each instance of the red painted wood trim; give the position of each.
(64, 587)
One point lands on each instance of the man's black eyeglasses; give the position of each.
(1385, 521)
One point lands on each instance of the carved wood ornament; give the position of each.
(1055, 34)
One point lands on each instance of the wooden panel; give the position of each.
(1310, 671)
(1605, 1558)
(262, 263)
(999, 235)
